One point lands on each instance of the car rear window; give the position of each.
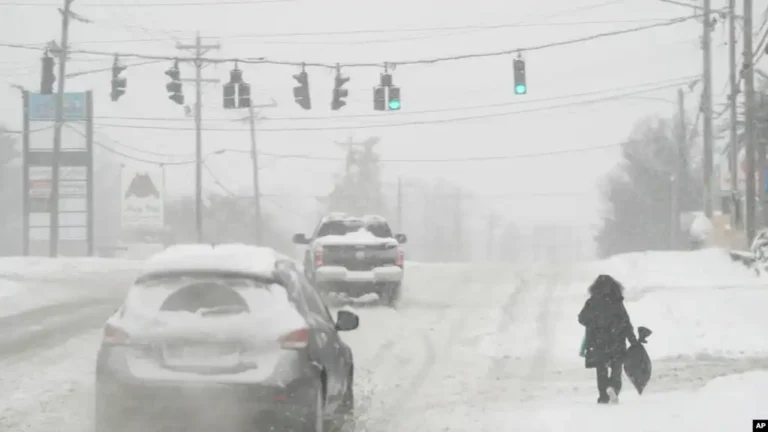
(344, 227)
(205, 293)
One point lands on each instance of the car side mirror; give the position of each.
(300, 239)
(401, 238)
(346, 320)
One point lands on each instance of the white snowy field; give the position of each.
(494, 348)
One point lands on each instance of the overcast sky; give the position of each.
(550, 118)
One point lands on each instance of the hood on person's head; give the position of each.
(607, 286)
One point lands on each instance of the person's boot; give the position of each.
(613, 397)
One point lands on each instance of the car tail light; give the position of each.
(400, 257)
(295, 340)
(319, 256)
(115, 335)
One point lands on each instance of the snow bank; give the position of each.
(61, 268)
(9, 288)
(724, 404)
(705, 268)
(31, 282)
(697, 303)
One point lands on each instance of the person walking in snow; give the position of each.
(608, 327)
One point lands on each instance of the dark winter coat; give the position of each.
(607, 323)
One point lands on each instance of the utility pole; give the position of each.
(200, 50)
(258, 220)
(55, 165)
(680, 168)
(732, 99)
(256, 189)
(749, 122)
(706, 102)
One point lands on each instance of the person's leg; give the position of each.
(617, 368)
(602, 383)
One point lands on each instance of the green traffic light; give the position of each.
(520, 89)
(394, 104)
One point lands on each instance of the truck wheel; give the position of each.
(390, 294)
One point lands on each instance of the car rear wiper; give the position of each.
(223, 310)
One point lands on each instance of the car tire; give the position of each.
(346, 421)
(390, 294)
(105, 416)
(315, 420)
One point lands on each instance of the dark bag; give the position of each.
(637, 363)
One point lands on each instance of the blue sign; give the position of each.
(43, 107)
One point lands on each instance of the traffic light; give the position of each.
(520, 87)
(237, 93)
(339, 93)
(380, 98)
(118, 83)
(243, 95)
(48, 78)
(229, 96)
(301, 92)
(174, 87)
(393, 100)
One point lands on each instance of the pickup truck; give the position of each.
(355, 256)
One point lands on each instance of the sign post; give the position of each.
(75, 185)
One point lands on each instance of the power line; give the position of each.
(398, 161)
(111, 5)
(478, 27)
(218, 181)
(334, 65)
(406, 123)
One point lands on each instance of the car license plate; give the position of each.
(360, 255)
(201, 355)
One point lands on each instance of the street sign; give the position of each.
(43, 107)
(142, 199)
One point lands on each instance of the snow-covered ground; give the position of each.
(27, 283)
(494, 348)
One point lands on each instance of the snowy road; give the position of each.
(481, 348)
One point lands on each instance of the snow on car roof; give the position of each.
(235, 258)
(367, 219)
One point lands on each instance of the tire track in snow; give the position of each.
(417, 379)
(513, 312)
(421, 376)
(53, 331)
(547, 303)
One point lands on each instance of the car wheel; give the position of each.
(390, 294)
(346, 418)
(315, 421)
(106, 417)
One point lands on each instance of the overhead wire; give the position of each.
(166, 4)
(426, 61)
